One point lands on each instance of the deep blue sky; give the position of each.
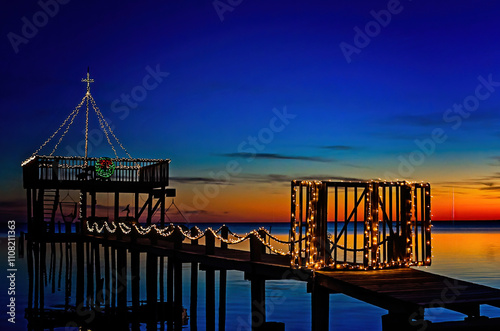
(354, 119)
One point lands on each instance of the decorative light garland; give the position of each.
(168, 231)
(373, 242)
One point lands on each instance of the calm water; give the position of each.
(468, 251)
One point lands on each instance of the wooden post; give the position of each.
(134, 274)
(29, 249)
(162, 206)
(428, 247)
(113, 277)
(107, 285)
(406, 222)
(255, 248)
(209, 243)
(374, 258)
(42, 273)
(36, 253)
(222, 299)
(150, 207)
(80, 273)
(170, 289)
(152, 284)
(117, 206)
(222, 283)
(210, 299)
(98, 280)
(320, 310)
(29, 211)
(170, 281)
(93, 203)
(136, 205)
(68, 275)
(258, 297)
(194, 287)
(161, 277)
(122, 279)
(224, 232)
(53, 265)
(178, 294)
(396, 321)
(178, 237)
(90, 276)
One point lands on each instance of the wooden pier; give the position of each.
(380, 230)
(404, 292)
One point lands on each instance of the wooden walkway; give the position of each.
(404, 292)
(407, 292)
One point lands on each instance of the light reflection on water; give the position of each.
(464, 252)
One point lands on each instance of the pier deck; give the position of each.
(409, 290)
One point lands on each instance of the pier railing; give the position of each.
(46, 169)
(372, 224)
(260, 241)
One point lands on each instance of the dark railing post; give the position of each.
(194, 284)
(255, 247)
(263, 235)
(119, 233)
(133, 234)
(209, 243)
(178, 238)
(224, 233)
(153, 236)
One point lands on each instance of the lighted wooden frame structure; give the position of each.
(376, 224)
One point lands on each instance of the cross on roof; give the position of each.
(88, 80)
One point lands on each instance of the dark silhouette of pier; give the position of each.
(380, 230)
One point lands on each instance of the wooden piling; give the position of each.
(151, 284)
(122, 279)
(258, 297)
(222, 299)
(30, 273)
(170, 287)
(98, 281)
(222, 283)
(80, 276)
(210, 298)
(194, 287)
(90, 276)
(114, 277)
(107, 285)
(178, 295)
(255, 248)
(320, 300)
(170, 281)
(135, 268)
(161, 280)
(209, 243)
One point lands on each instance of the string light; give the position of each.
(168, 231)
(76, 110)
(375, 241)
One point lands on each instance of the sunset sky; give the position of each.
(244, 96)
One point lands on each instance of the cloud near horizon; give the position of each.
(338, 147)
(275, 156)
